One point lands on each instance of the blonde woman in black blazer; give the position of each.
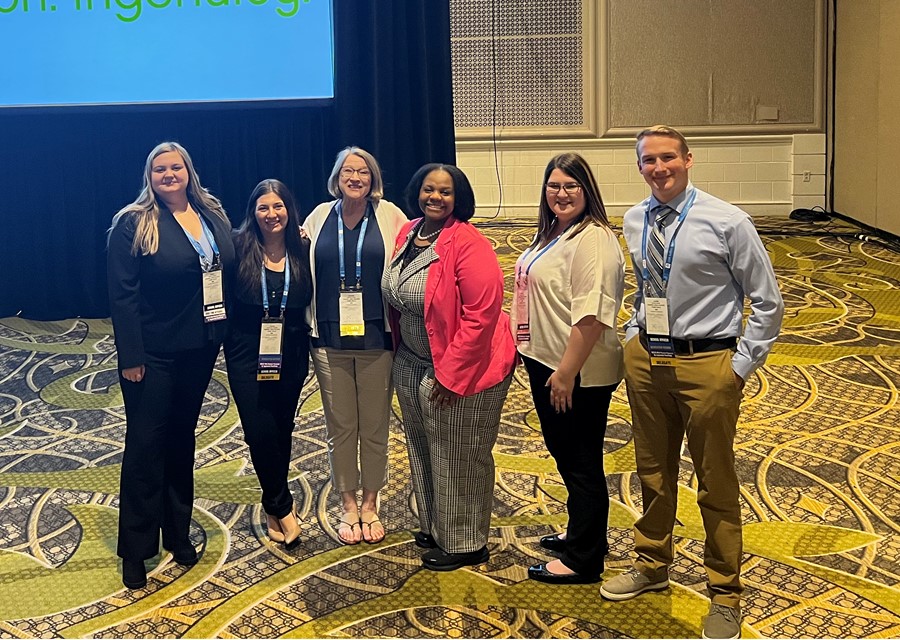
(162, 248)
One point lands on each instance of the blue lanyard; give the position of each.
(359, 244)
(204, 259)
(287, 285)
(540, 253)
(667, 267)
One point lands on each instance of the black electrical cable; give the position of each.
(495, 26)
(831, 163)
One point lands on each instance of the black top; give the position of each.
(328, 284)
(412, 252)
(246, 313)
(156, 301)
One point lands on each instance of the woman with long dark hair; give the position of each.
(267, 348)
(568, 292)
(168, 265)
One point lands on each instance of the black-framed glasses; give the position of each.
(346, 172)
(571, 188)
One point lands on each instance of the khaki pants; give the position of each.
(697, 397)
(356, 396)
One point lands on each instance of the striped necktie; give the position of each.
(656, 251)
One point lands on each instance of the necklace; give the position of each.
(273, 258)
(426, 237)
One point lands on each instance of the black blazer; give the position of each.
(156, 302)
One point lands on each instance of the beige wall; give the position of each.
(867, 110)
(887, 215)
(748, 94)
(764, 175)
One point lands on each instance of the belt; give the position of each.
(703, 345)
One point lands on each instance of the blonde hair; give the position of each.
(664, 131)
(145, 209)
(376, 186)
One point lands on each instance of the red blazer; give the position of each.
(468, 331)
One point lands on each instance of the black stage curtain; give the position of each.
(65, 172)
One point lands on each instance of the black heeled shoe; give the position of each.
(439, 560)
(425, 540)
(553, 543)
(290, 543)
(540, 573)
(134, 574)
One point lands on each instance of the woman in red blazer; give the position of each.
(453, 366)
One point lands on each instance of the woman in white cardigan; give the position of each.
(352, 240)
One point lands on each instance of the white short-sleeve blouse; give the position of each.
(575, 278)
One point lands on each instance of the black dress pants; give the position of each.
(267, 411)
(575, 440)
(157, 484)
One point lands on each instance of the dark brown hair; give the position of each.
(248, 238)
(594, 212)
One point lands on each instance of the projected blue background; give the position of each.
(67, 52)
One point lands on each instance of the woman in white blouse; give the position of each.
(568, 292)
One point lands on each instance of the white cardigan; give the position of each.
(390, 220)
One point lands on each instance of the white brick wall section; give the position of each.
(773, 171)
(814, 187)
(756, 154)
(724, 154)
(781, 192)
(808, 170)
(815, 164)
(809, 143)
(764, 177)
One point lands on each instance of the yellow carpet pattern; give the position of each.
(818, 453)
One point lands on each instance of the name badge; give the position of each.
(213, 299)
(271, 334)
(659, 343)
(520, 304)
(657, 316)
(351, 309)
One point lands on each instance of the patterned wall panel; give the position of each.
(534, 52)
(604, 68)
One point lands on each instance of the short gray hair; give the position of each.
(376, 187)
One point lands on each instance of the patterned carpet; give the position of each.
(818, 452)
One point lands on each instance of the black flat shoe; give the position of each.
(439, 560)
(425, 540)
(185, 556)
(134, 575)
(553, 543)
(540, 573)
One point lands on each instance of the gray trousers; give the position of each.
(450, 458)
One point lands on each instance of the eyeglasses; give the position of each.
(571, 188)
(346, 172)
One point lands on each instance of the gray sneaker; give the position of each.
(633, 583)
(722, 622)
